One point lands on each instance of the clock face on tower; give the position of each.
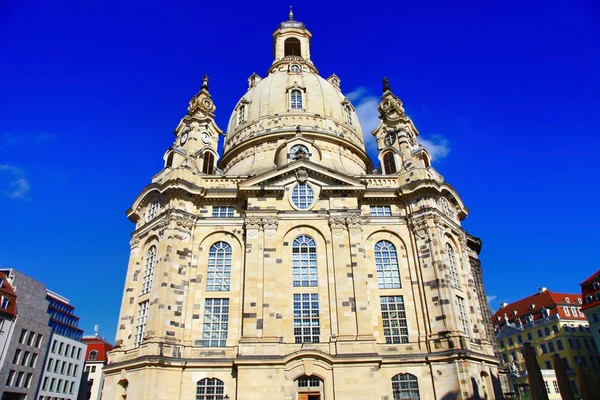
(390, 138)
(184, 138)
(205, 138)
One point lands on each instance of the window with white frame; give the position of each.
(222, 211)
(294, 68)
(218, 278)
(405, 387)
(216, 323)
(566, 311)
(304, 261)
(462, 314)
(210, 389)
(393, 317)
(5, 302)
(381, 211)
(153, 208)
(309, 382)
(140, 328)
(386, 261)
(448, 209)
(574, 311)
(296, 100)
(306, 318)
(149, 270)
(452, 264)
(302, 196)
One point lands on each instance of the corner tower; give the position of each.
(291, 272)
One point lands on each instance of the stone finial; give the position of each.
(291, 14)
(386, 85)
(204, 82)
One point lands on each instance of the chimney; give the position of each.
(503, 305)
(542, 289)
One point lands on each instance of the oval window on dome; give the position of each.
(295, 68)
(302, 196)
(299, 152)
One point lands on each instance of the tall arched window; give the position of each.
(149, 270)
(93, 355)
(389, 164)
(349, 114)
(241, 114)
(452, 263)
(209, 163)
(219, 268)
(304, 261)
(291, 47)
(405, 387)
(296, 100)
(448, 209)
(153, 208)
(210, 389)
(386, 260)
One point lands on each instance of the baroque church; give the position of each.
(288, 267)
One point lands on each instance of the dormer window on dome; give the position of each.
(296, 99)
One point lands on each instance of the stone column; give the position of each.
(253, 278)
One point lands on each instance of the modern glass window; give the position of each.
(11, 375)
(17, 356)
(405, 387)
(222, 211)
(452, 264)
(302, 196)
(306, 318)
(216, 323)
(381, 211)
(296, 100)
(140, 328)
(462, 314)
(219, 268)
(296, 150)
(153, 208)
(210, 389)
(149, 270)
(304, 261)
(393, 317)
(389, 163)
(386, 261)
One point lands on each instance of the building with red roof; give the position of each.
(8, 313)
(96, 357)
(590, 292)
(553, 323)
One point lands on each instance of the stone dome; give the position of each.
(265, 119)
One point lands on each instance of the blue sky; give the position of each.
(506, 93)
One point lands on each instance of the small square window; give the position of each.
(381, 211)
(222, 211)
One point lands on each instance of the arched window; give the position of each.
(304, 261)
(302, 196)
(405, 387)
(210, 389)
(349, 114)
(209, 163)
(296, 150)
(291, 47)
(452, 265)
(219, 268)
(386, 260)
(241, 114)
(153, 208)
(448, 209)
(170, 160)
(296, 100)
(93, 355)
(389, 164)
(149, 270)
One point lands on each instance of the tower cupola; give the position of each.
(291, 45)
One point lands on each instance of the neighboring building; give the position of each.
(554, 324)
(24, 360)
(290, 269)
(96, 356)
(8, 313)
(590, 292)
(64, 365)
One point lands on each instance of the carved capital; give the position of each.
(418, 225)
(252, 222)
(337, 222)
(270, 225)
(134, 242)
(181, 223)
(353, 222)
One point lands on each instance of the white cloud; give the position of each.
(491, 298)
(438, 146)
(17, 186)
(366, 109)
